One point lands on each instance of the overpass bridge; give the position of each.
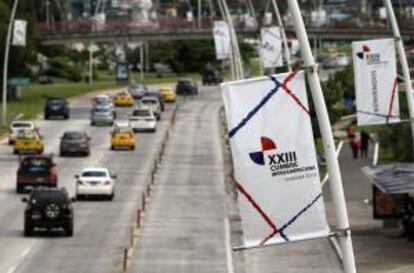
(89, 31)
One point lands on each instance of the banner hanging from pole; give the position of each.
(275, 165)
(375, 74)
(271, 47)
(19, 33)
(221, 35)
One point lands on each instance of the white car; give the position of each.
(18, 125)
(153, 104)
(142, 119)
(95, 182)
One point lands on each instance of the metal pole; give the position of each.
(90, 64)
(6, 62)
(147, 58)
(199, 13)
(238, 61)
(232, 61)
(141, 60)
(284, 37)
(403, 61)
(336, 187)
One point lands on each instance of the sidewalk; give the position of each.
(375, 251)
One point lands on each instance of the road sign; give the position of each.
(18, 81)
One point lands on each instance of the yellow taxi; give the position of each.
(28, 141)
(122, 136)
(123, 99)
(168, 94)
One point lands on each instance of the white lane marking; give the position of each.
(21, 258)
(229, 251)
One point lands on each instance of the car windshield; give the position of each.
(101, 110)
(122, 130)
(36, 165)
(149, 101)
(94, 174)
(56, 102)
(21, 125)
(26, 134)
(44, 196)
(141, 113)
(73, 136)
(102, 100)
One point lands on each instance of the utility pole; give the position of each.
(237, 57)
(283, 33)
(403, 61)
(6, 62)
(232, 59)
(90, 64)
(141, 60)
(199, 13)
(337, 192)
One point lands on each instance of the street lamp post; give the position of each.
(6, 62)
(335, 184)
(403, 61)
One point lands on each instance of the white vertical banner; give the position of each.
(19, 33)
(221, 35)
(375, 74)
(275, 165)
(271, 47)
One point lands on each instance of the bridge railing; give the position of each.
(88, 25)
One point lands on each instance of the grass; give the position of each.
(31, 102)
(32, 97)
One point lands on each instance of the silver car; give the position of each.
(153, 104)
(102, 116)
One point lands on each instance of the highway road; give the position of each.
(101, 227)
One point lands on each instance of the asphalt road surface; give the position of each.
(101, 227)
(185, 227)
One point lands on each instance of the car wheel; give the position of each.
(112, 147)
(28, 230)
(47, 117)
(112, 196)
(40, 151)
(69, 229)
(132, 148)
(10, 142)
(66, 116)
(19, 189)
(15, 152)
(87, 153)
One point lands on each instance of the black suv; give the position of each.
(56, 107)
(186, 87)
(212, 77)
(48, 208)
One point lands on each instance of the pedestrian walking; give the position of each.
(365, 139)
(355, 146)
(353, 139)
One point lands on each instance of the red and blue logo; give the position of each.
(267, 145)
(365, 50)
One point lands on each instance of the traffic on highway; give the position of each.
(52, 208)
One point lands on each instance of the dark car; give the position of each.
(212, 77)
(75, 142)
(44, 79)
(48, 208)
(56, 107)
(35, 171)
(186, 87)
